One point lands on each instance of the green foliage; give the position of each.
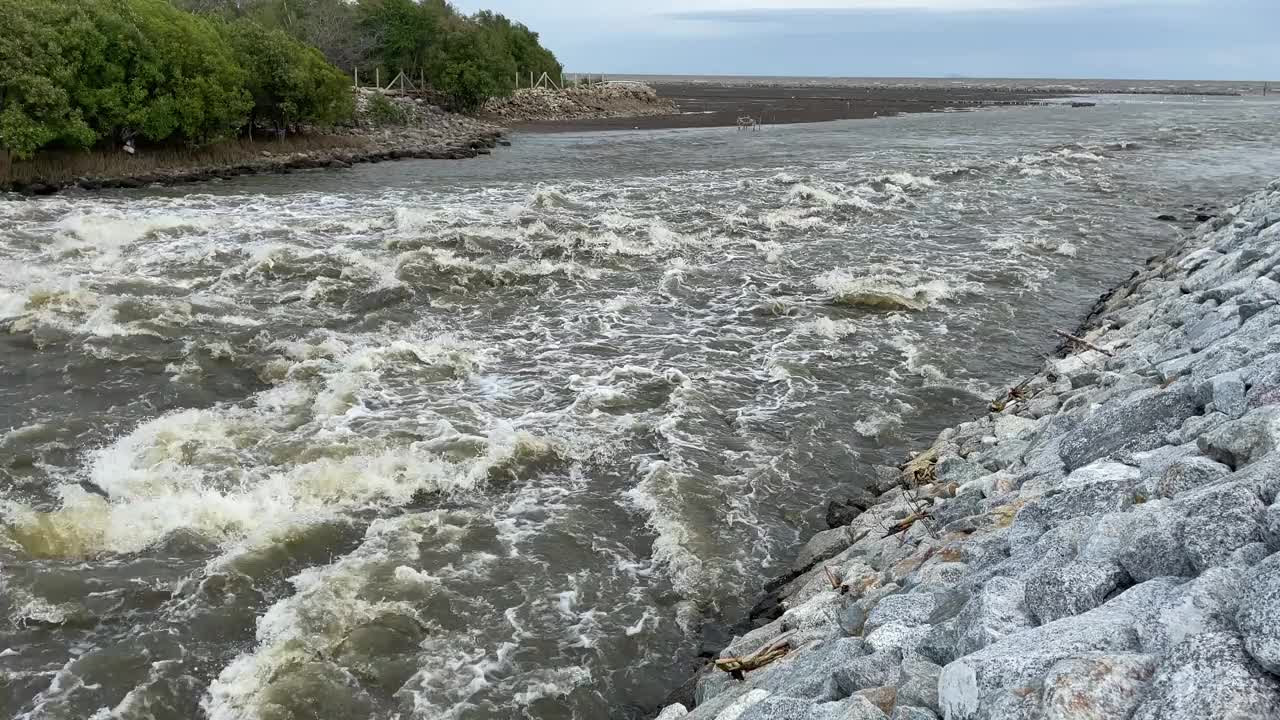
(290, 83)
(467, 59)
(471, 65)
(36, 41)
(90, 70)
(384, 112)
(82, 72)
(522, 44)
(156, 71)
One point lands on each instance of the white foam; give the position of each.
(908, 291)
(828, 328)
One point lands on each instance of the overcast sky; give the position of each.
(1182, 39)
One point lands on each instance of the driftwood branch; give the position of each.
(770, 651)
(1083, 342)
(904, 523)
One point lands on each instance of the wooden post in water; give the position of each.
(355, 74)
(377, 77)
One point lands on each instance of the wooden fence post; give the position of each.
(377, 78)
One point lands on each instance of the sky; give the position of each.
(1126, 39)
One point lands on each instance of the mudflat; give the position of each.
(716, 105)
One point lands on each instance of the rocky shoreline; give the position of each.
(1103, 544)
(450, 138)
(414, 128)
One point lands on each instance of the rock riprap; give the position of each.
(1106, 546)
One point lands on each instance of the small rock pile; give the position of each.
(606, 100)
(1107, 545)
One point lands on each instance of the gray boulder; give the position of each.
(976, 685)
(1219, 520)
(1242, 441)
(1155, 548)
(1062, 591)
(954, 469)
(1258, 616)
(847, 509)
(1207, 603)
(809, 673)
(853, 708)
(1043, 405)
(917, 682)
(1271, 527)
(775, 707)
(672, 712)
(1093, 490)
(1210, 676)
(908, 712)
(1133, 424)
(897, 636)
(1227, 392)
(822, 546)
(869, 671)
(996, 611)
(1189, 474)
(906, 609)
(1097, 686)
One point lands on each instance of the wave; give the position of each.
(827, 328)
(246, 475)
(883, 292)
(445, 270)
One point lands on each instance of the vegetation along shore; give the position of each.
(130, 92)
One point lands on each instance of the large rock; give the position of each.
(1189, 474)
(1271, 527)
(1258, 615)
(897, 636)
(1210, 676)
(908, 712)
(1097, 686)
(971, 686)
(1065, 590)
(874, 670)
(1207, 603)
(822, 546)
(1227, 392)
(775, 707)
(1133, 424)
(917, 682)
(908, 609)
(672, 712)
(853, 708)
(996, 611)
(1242, 441)
(1220, 520)
(954, 469)
(1092, 490)
(845, 510)
(809, 673)
(1155, 547)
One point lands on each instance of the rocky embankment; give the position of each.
(607, 100)
(1103, 545)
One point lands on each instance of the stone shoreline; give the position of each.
(425, 132)
(468, 145)
(1103, 544)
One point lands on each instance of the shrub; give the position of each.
(382, 111)
(290, 84)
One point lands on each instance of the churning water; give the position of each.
(499, 438)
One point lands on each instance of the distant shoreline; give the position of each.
(722, 105)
